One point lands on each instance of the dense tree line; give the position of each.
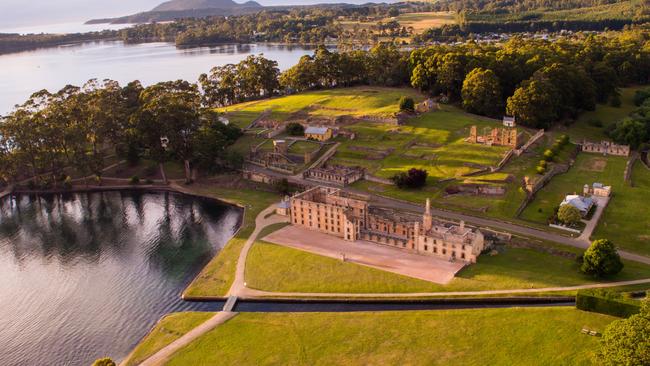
(300, 25)
(80, 127)
(538, 81)
(634, 130)
(16, 42)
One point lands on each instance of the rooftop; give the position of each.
(316, 130)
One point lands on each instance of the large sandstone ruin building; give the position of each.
(350, 217)
(495, 137)
(605, 148)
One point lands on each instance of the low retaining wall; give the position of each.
(565, 228)
(375, 179)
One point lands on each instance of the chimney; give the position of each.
(462, 225)
(427, 210)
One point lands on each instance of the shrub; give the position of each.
(414, 178)
(104, 362)
(540, 169)
(595, 122)
(549, 155)
(606, 302)
(295, 129)
(543, 163)
(615, 101)
(406, 104)
(627, 341)
(134, 179)
(569, 215)
(640, 96)
(283, 187)
(601, 259)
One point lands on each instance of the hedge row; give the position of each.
(606, 303)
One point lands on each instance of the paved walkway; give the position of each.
(601, 203)
(382, 257)
(257, 293)
(261, 221)
(160, 357)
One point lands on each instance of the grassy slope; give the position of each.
(168, 329)
(604, 113)
(217, 276)
(443, 152)
(357, 101)
(523, 336)
(276, 268)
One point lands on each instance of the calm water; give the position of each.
(87, 275)
(21, 74)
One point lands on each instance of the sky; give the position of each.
(15, 13)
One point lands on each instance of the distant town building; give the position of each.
(336, 174)
(597, 189)
(605, 148)
(348, 216)
(318, 133)
(509, 122)
(582, 203)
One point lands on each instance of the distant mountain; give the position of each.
(178, 5)
(176, 9)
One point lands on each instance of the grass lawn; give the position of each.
(357, 101)
(501, 207)
(521, 336)
(625, 220)
(433, 141)
(276, 268)
(168, 329)
(604, 113)
(588, 168)
(622, 220)
(301, 147)
(217, 276)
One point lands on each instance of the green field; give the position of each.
(501, 207)
(423, 21)
(357, 101)
(217, 276)
(280, 269)
(516, 336)
(168, 329)
(434, 141)
(625, 219)
(606, 114)
(302, 147)
(621, 221)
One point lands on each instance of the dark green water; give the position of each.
(87, 275)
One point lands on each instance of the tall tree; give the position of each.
(481, 92)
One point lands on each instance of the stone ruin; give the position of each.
(605, 148)
(494, 137)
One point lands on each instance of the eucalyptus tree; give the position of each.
(168, 118)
